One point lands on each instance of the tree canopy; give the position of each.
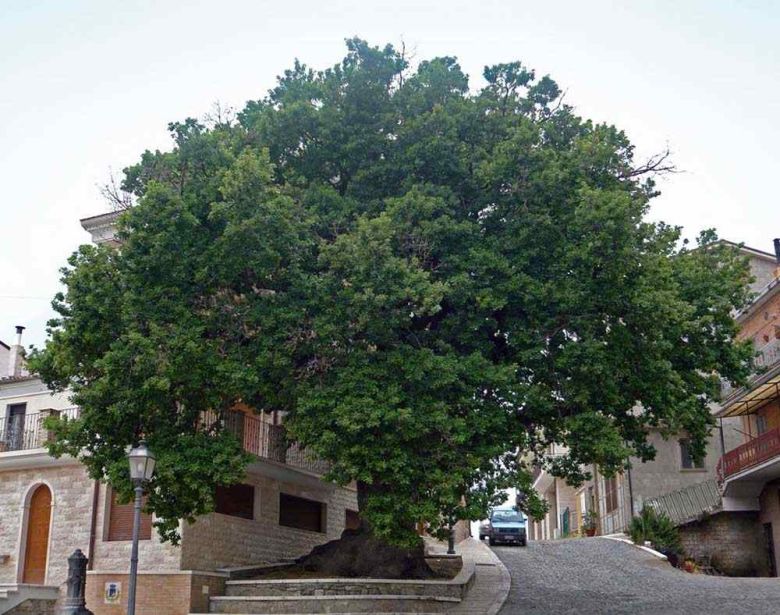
(432, 281)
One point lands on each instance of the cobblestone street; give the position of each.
(595, 576)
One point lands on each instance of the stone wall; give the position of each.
(70, 518)
(153, 555)
(33, 607)
(733, 541)
(218, 540)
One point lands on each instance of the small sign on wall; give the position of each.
(113, 592)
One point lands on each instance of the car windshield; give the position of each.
(506, 516)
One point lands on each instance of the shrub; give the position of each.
(657, 528)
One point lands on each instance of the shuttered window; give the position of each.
(120, 521)
(236, 501)
(301, 513)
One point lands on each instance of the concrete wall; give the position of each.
(763, 270)
(733, 542)
(665, 473)
(33, 393)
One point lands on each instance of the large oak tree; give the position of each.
(432, 281)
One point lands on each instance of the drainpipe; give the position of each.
(597, 494)
(93, 525)
(722, 440)
(630, 493)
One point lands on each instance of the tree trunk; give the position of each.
(358, 553)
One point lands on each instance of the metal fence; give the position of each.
(265, 440)
(26, 431)
(688, 504)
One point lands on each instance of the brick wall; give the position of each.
(156, 594)
(733, 541)
(218, 540)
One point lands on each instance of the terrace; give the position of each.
(22, 432)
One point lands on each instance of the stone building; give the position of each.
(614, 500)
(50, 507)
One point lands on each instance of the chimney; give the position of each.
(16, 356)
(777, 257)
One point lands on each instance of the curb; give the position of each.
(505, 584)
(503, 591)
(623, 538)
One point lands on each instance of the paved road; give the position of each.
(595, 576)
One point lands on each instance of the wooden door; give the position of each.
(37, 545)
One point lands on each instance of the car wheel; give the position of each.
(492, 542)
(523, 543)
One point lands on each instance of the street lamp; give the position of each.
(141, 469)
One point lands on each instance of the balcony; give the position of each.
(23, 432)
(769, 354)
(267, 441)
(751, 454)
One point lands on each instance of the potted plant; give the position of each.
(589, 521)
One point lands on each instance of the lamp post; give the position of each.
(141, 469)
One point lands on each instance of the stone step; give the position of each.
(341, 587)
(288, 605)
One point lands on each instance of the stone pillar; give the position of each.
(75, 603)
(44, 435)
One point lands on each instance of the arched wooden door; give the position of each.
(37, 542)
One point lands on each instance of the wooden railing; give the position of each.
(23, 432)
(265, 440)
(759, 449)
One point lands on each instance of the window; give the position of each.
(14, 428)
(120, 521)
(761, 424)
(301, 513)
(611, 493)
(236, 501)
(351, 519)
(686, 461)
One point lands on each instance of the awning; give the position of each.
(765, 389)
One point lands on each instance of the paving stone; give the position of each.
(596, 576)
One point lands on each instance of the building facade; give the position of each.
(613, 501)
(749, 474)
(50, 507)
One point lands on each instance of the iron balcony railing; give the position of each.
(266, 440)
(766, 356)
(22, 432)
(760, 449)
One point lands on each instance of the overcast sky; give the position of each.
(87, 86)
